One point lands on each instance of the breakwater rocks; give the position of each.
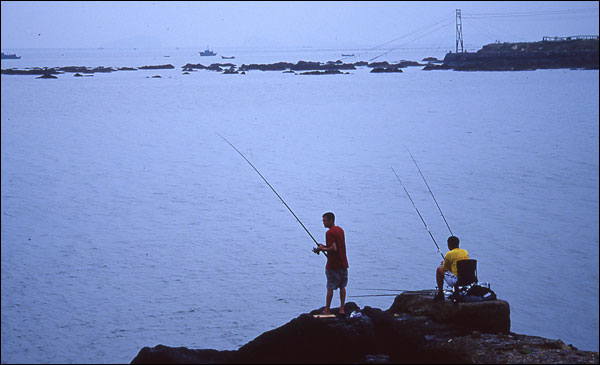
(572, 54)
(415, 329)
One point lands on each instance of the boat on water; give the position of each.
(10, 56)
(207, 52)
(347, 55)
(227, 58)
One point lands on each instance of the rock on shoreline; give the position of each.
(415, 329)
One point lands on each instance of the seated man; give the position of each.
(448, 271)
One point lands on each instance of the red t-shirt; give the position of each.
(336, 259)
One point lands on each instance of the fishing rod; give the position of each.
(430, 192)
(373, 295)
(399, 290)
(315, 250)
(422, 220)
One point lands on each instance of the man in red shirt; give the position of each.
(336, 269)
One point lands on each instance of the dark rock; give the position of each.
(34, 71)
(326, 72)
(487, 317)
(414, 330)
(156, 77)
(436, 67)
(299, 66)
(379, 64)
(186, 73)
(405, 64)
(47, 76)
(214, 67)
(191, 66)
(385, 69)
(432, 59)
(158, 67)
(223, 64)
(102, 69)
(230, 71)
(279, 66)
(180, 355)
(78, 75)
(361, 63)
(581, 53)
(127, 69)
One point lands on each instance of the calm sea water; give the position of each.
(127, 222)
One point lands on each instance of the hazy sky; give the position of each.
(86, 24)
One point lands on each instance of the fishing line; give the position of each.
(422, 220)
(279, 196)
(430, 192)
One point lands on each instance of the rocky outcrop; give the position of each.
(326, 72)
(33, 71)
(573, 54)
(157, 67)
(415, 329)
(385, 69)
(299, 66)
(432, 60)
(191, 67)
(83, 69)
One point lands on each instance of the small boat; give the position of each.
(227, 58)
(207, 52)
(347, 55)
(10, 56)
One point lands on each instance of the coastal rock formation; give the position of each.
(326, 72)
(432, 60)
(415, 329)
(573, 54)
(299, 66)
(191, 67)
(158, 67)
(385, 69)
(230, 71)
(33, 71)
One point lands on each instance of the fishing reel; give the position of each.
(316, 250)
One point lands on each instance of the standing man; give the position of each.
(448, 271)
(336, 269)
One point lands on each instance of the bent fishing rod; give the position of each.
(422, 220)
(315, 250)
(431, 192)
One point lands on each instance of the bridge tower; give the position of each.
(459, 36)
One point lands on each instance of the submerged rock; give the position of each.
(415, 329)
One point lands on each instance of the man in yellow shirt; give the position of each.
(448, 271)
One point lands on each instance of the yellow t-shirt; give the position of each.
(451, 258)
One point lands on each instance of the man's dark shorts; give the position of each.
(336, 278)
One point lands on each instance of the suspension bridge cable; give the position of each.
(400, 46)
(424, 28)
